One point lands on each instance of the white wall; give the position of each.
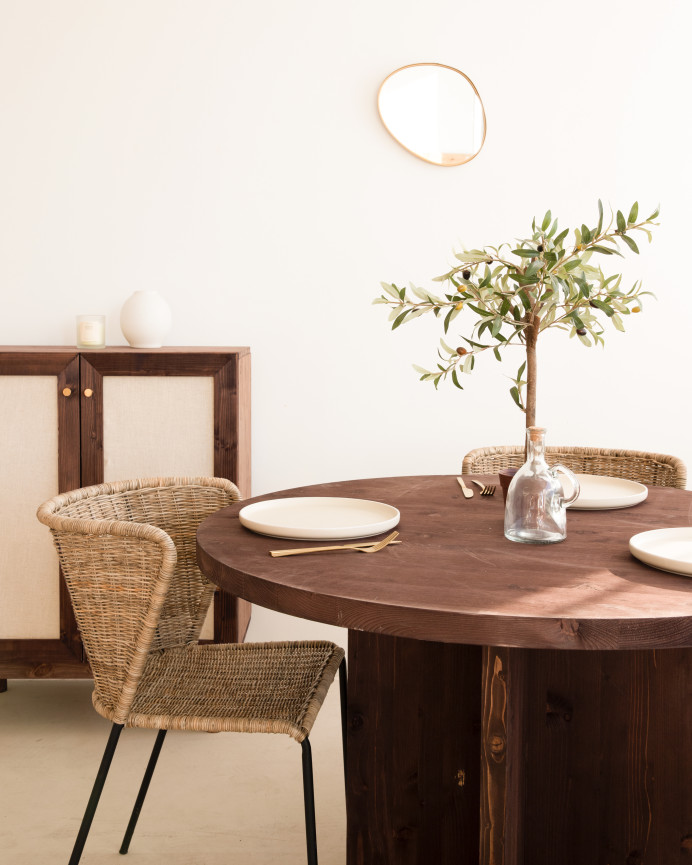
(230, 155)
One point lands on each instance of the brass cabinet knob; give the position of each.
(67, 391)
(88, 392)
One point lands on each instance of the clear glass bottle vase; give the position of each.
(536, 508)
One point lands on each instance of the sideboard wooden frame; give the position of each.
(80, 463)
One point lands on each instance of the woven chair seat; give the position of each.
(253, 688)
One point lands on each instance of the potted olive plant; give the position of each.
(517, 292)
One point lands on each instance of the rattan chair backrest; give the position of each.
(128, 555)
(659, 470)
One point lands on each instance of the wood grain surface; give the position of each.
(455, 578)
(412, 788)
(586, 757)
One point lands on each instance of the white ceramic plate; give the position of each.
(604, 493)
(319, 518)
(667, 549)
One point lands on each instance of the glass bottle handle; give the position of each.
(572, 478)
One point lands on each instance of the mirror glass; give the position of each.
(434, 111)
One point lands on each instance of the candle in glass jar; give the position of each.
(91, 331)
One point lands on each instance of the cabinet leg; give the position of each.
(3, 685)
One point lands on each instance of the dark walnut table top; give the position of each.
(455, 578)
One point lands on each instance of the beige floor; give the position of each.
(213, 799)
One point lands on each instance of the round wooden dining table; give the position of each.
(509, 704)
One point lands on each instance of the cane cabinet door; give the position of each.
(39, 426)
(170, 412)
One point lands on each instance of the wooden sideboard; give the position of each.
(72, 418)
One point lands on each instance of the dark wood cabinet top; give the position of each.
(455, 578)
(186, 360)
(125, 349)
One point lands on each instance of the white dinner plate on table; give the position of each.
(319, 518)
(603, 493)
(666, 549)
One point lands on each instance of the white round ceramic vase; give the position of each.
(145, 319)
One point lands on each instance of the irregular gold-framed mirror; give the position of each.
(434, 111)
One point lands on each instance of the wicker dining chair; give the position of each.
(128, 554)
(658, 470)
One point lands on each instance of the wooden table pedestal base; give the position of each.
(465, 755)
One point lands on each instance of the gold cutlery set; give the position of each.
(488, 490)
(362, 547)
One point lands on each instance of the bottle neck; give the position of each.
(535, 444)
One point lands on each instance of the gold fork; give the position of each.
(485, 491)
(360, 548)
(380, 545)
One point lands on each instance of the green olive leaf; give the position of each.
(526, 253)
(632, 245)
(561, 236)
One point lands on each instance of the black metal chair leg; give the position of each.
(309, 796)
(343, 693)
(151, 765)
(106, 760)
